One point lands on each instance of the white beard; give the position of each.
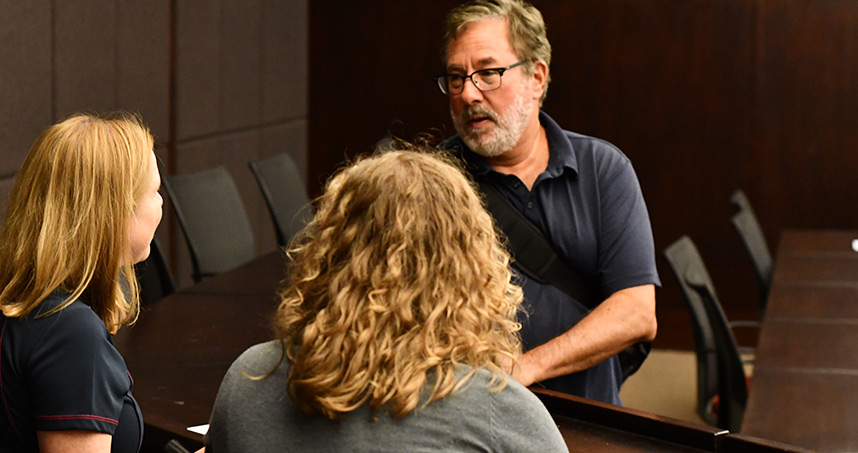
(507, 131)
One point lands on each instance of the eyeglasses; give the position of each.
(485, 79)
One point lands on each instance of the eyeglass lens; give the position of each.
(486, 80)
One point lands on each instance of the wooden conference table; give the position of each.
(805, 386)
(181, 347)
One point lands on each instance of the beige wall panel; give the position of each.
(143, 61)
(84, 57)
(198, 63)
(284, 60)
(241, 44)
(25, 78)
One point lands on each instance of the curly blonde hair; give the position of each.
(399, 278)
(66, 226)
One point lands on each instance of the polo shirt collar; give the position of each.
(562, 155)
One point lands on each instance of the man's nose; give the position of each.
(470, 93)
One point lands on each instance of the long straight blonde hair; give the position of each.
(399, 278)
(67, 222)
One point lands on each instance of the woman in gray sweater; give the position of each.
(395, 330)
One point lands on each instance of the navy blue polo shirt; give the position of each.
(589, 205)
(61, 372)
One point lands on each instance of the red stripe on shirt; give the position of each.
(77, 417)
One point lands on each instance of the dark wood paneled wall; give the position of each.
(704, 96)
(220, 82)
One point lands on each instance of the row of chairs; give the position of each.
(214, 222)
(722, 386)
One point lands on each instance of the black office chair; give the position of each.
(720, 372)
(284, 192)
(154, 277)
(746, 224)
(213, 220)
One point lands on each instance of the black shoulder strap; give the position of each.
(533, 254)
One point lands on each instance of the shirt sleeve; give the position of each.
(520, 422)
(627, 251)
(235, 415)
(78, 378)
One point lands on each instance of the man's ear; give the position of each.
(540, 76)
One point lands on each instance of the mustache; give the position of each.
(478, 110)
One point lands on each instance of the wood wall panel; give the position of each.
(25, 78)
(285, 53)
(241, 64)
(808, 112)
(198, 74)
(671, 83)
(370, 74)
(143, 61)
(84, 56)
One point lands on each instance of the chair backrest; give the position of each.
(213, 220)
(155, 279)
(719, 365)
(284, 192)
(746, 224)
(740, 201)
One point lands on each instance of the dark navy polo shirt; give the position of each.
(61, 372)
(589, 205)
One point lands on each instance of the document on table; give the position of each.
(199, 429)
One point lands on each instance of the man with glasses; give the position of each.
(579, 191)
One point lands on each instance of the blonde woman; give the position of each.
(83, 210)
(395, 328)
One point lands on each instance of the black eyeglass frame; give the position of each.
(442, 85)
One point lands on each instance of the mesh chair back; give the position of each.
(719, 365)
(284, 192)
(213, 220)
(746, 225)
(155, 279)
